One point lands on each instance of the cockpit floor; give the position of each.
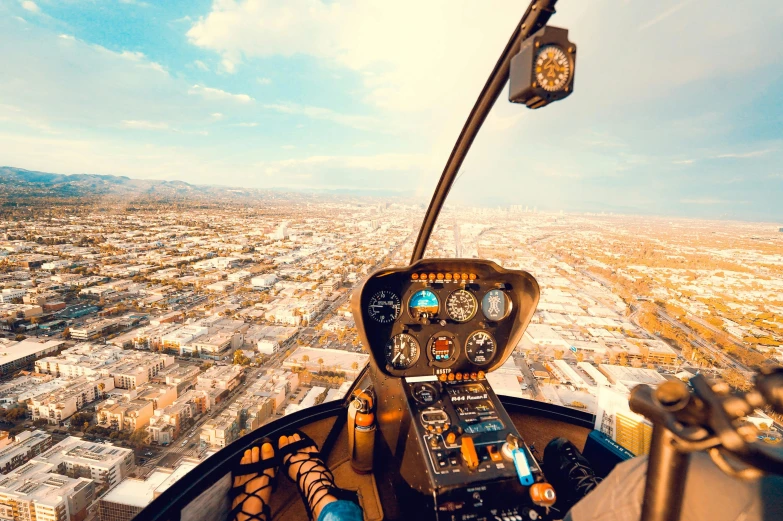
(287, 506)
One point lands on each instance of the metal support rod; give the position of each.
(535, 17)
(666, 473)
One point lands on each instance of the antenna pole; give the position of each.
(535, 17)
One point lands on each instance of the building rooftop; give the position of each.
(137, 492)
(30, 346)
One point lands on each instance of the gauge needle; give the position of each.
(396, 356)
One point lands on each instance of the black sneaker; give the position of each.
(568, 472)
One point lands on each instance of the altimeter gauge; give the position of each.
(461, 305)
(384, 307)
(553, 68)
(480, 347)
(402, 351)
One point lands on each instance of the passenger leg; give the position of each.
(253, 484)
(568, 472)
(323, 500)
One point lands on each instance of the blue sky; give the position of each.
(676, 109)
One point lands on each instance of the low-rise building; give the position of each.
(125, 415)
(18, 355)
(60, 405)
(26, 445)
(104, 463)
(126, 500)
(34, 492)
(225, 377)
(95, 329)
(220, 431)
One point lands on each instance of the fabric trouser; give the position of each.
(341, 510)
(710, 495)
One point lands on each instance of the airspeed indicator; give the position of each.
(384, 307)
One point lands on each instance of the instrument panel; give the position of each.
(440, 316)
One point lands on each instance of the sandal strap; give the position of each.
(258, 467)
(265, 511)
(295, 447)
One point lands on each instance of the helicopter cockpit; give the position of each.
(440, 443)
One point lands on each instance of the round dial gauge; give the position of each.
(425, 394)
(402, 351)
(461, 305)
(553, 68)
(384, 307)
(423, 302)
(480, 348)
(441, 349)
(496, 305)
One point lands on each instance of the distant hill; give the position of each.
(26, 188)
(18, 182)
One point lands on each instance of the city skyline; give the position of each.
(256, 96)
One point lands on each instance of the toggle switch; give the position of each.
(469, 456)
(494, 455)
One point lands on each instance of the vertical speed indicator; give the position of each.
(384, 307)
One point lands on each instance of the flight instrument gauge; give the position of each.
(402, 351)
(423, 303)
(461, 305)
(384, 307)
(480, 348)
(553, 68)
(442, 349)
(496, 305)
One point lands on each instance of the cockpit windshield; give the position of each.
(190, 193)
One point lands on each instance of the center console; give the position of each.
(434, 330)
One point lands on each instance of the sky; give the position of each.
(676, 107)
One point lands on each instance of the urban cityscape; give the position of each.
(137, 342)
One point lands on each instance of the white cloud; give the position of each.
(377, 162)
(135, 2)
(264, 81)
(664, 15)
(201, 65)
(216, 116)
(366, 37)
(228, 65)
(144, 125)
(360, 122)
(210, 93)
(67, 37)
(710, 201)
(744, 155)
(684, 162)
(15, 115)
(29, 5)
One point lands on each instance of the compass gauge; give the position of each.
(552, 68)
